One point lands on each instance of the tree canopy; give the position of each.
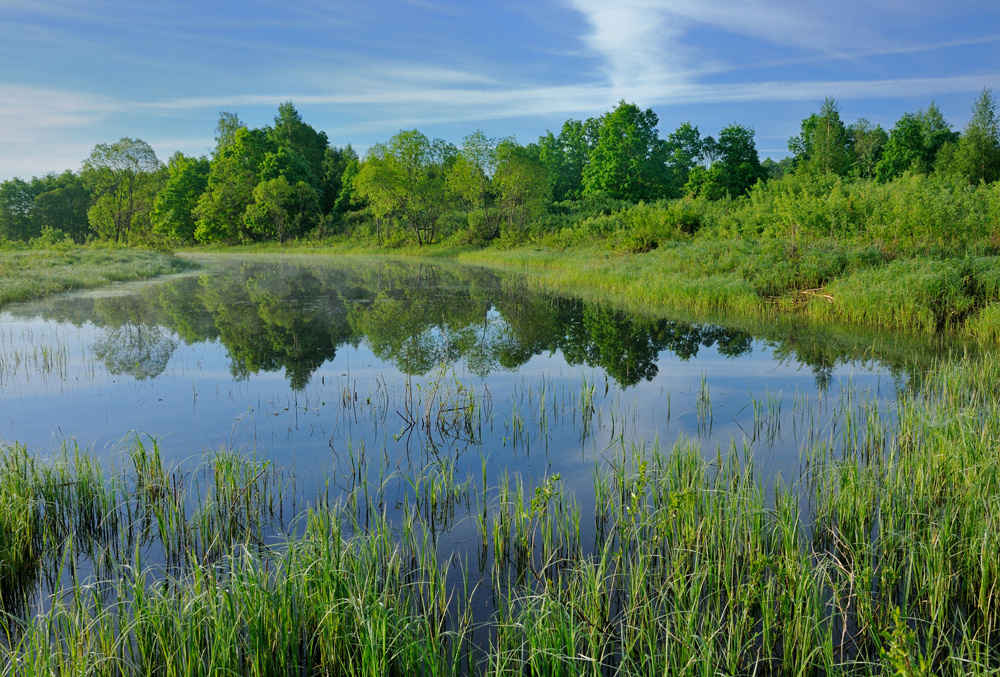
(121, 176)
(286, 180)
(628, 160)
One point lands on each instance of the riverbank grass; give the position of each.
(29, 273)
(913, 290)
(878, 558)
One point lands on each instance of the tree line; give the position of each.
(286, 180)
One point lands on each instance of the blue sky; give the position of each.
(73, 74)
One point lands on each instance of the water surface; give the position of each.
(315, 362)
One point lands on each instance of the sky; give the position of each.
(74, 73)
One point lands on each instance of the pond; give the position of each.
(398, 380)
(306, 361)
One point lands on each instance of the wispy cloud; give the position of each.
(365, 70)
(30, 111)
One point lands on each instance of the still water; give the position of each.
(333, 368)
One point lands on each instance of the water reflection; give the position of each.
(292, 317)
(129, 343)
(285, 354)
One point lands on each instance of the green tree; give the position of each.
(977, 156)
(121, 176)
(904, 150)
(345, 198)
(706, 182)
(174, 206)
(335, 163)
(565, 156)
(304, 149)
(937, 133)
(823, 145)
(281, 210)
(628, 162)
(739, 164)
(226, 128)
(684, 149)
(471, 179)
(287, 163)
(405, 180)
(779, 169)
(521, 185)
(914, 143)
(17, 198)
(867, 144)
(234, 173)
(61, 203)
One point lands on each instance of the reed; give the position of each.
(880, 557)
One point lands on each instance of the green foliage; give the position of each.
(734, 165)
(738, 160)
(404, 180)
(684, 149)
(122, 177)
(977, 156)
(412, 190)
(867, 144)
(914, 143)
(61, 203)
(16, 202)
(54, 201)
(565, 156)
(335, 164)
(345, 198)
(779, 169)
(708, 183)
(471, 179)
(628, 160)
(303, 150)
(280, 210)
(913, 211)
(522, 187)
(823, 145)
(174, 206)
(503, 184)
(234, 173)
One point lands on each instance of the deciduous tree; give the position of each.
(978, 153)
(823, 144)
(628, 162)
(405, 179)
(281, 210)
(234, 173)
(121, 176)
(174, 206)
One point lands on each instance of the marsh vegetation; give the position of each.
(45, 268)
(388, 467)
(878, 558)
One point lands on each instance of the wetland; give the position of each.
(342, 465)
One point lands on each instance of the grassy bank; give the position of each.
(915, 254)
(879, 559)
(823, 281)
(33, 272)
(953, 291)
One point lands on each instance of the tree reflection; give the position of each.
(275, 316)
(129, 343)
(292, 316)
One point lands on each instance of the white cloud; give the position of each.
(34, 124)
(29, 111)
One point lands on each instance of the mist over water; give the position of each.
(310, 362)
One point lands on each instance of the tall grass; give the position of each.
(27, 273)
(879, 557)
